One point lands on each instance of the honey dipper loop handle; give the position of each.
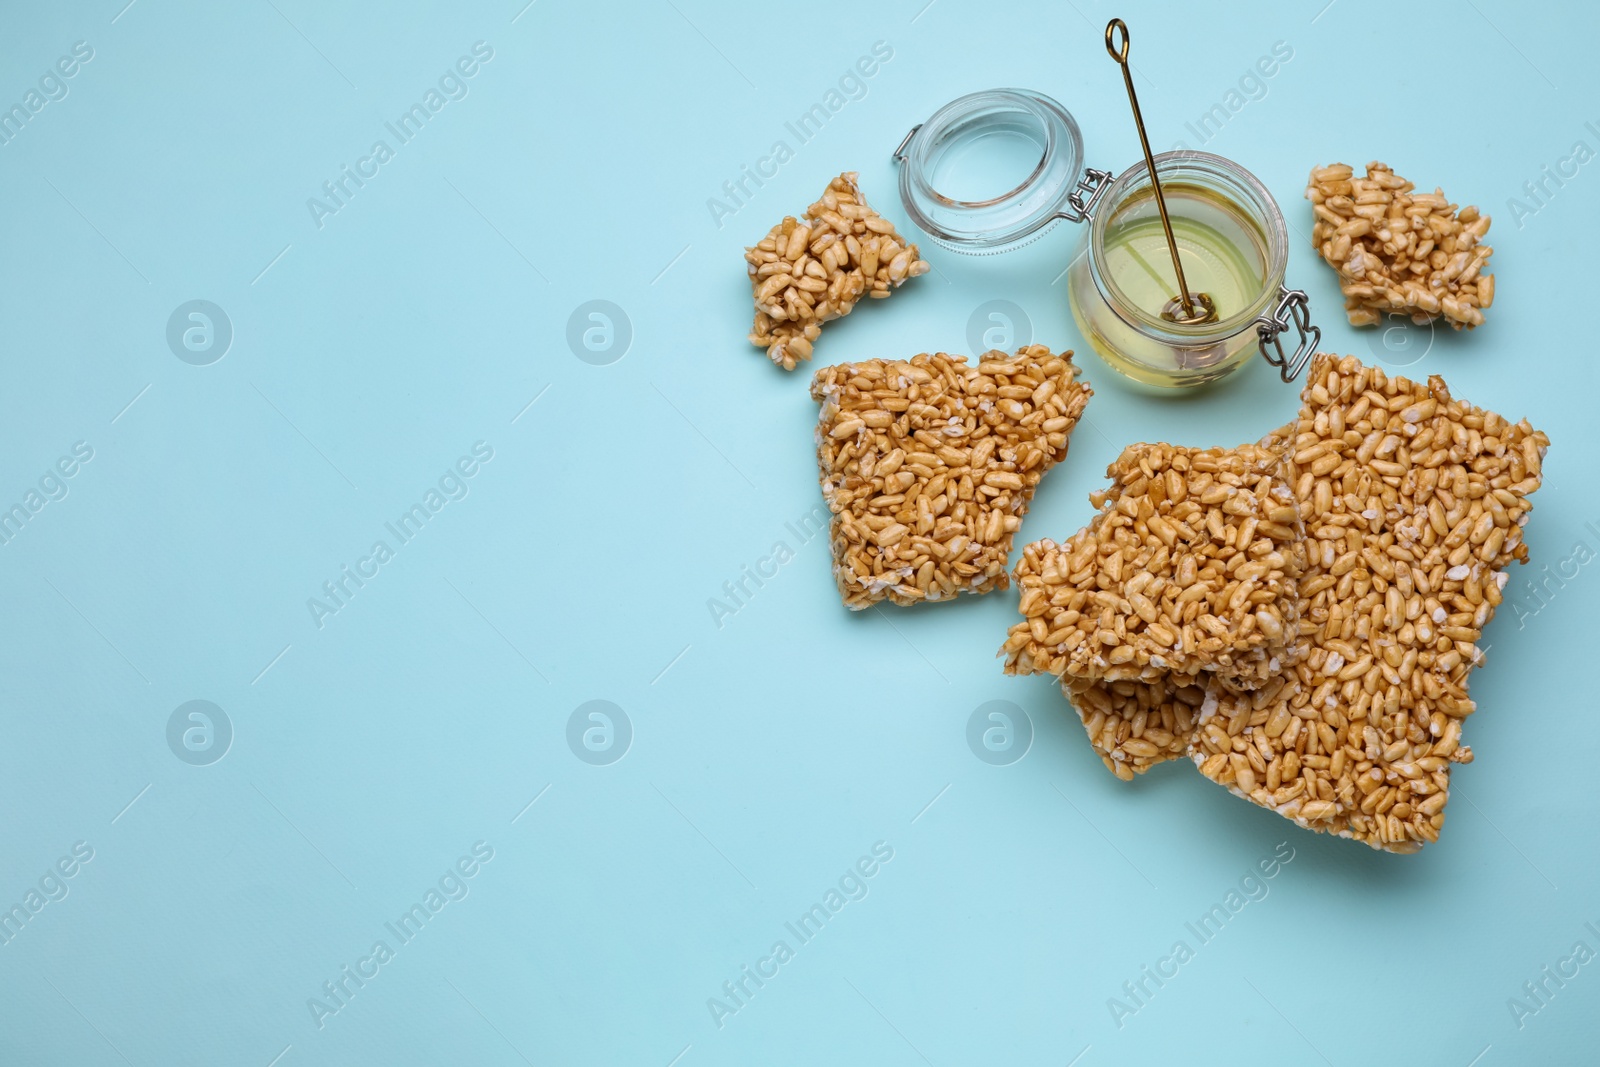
(1118, 54)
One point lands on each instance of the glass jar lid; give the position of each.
(991, 171)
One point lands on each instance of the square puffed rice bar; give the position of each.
(928, 466)
(1413, 505)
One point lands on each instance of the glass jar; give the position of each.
(994, 170)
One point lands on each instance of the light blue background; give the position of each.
(767, 754)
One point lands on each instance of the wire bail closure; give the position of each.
(1293, 306)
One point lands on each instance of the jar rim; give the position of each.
(1221, 175)
(1006, 220)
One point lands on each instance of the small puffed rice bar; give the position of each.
(1399, 252)
(928, 465)
(807, 271)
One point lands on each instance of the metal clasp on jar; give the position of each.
(1293, 305)
(1086, 194)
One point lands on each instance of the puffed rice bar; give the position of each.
(807, 271)
(1188, 568)
(1413, 504)
(928, 466)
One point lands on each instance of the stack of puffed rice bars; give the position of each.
(1298, 617)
